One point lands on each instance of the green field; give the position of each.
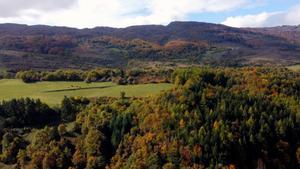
(53, 92)
(4, 166)
(294, 68)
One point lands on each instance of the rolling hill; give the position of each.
(46, 47)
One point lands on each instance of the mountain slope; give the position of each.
(290, 33)
(45, 47)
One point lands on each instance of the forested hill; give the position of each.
(46, 47)
(291, 33)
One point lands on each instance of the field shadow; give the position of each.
(76, 89)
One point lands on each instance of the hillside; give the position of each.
(45, 47)
(290, 33)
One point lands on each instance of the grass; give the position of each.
(53, 92)
(294, 67)
(4, 166)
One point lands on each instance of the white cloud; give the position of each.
(164, 11)
(290, 17)
(14, 8)
(248, 20)
(118, 13)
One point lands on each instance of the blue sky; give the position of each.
(255, 8)
(122, 13)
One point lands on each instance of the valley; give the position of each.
(187, 95)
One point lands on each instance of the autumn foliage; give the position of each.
(212, 118)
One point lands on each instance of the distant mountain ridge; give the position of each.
(47, 47)
(291, 33)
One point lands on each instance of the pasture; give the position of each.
(52, 93)
(294, 67)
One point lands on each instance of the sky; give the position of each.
(123, 13)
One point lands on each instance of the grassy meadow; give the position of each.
(294, 67)
(53, 92)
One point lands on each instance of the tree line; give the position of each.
(130, 76)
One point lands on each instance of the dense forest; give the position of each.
(213, 118)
